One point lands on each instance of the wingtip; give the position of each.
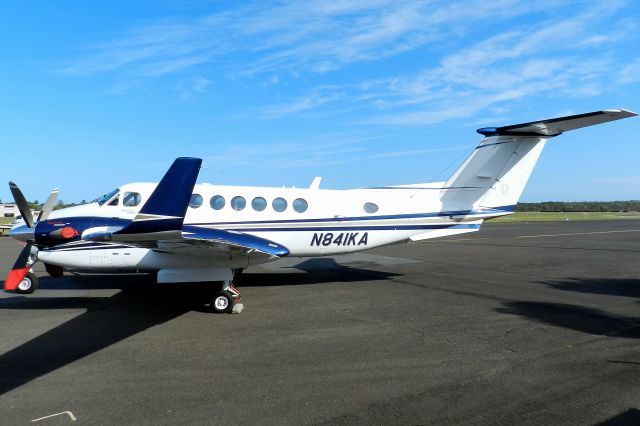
(623, 113)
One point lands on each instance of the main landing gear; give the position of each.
(226, 300)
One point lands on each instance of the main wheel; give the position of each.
(222, 302)
(28, 285)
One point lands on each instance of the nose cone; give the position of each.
(22, 232)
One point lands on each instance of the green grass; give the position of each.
(560, 216)
(6, 220)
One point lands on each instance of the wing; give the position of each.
(198, 241)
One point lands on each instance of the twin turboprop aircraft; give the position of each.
(185, 232)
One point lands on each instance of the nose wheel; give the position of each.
(28, 285)
(226, 300)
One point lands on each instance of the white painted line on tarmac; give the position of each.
(436, 240)
(71, 416)
(578, 233)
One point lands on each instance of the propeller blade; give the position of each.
(48, 205)
(20, 268)
(22, 204)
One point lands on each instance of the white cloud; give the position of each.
(312, 101)
(328, 149)
(298, 37)
(630, 73)
(191, 86)
(569, 48)
(413, 152)
(541, 60)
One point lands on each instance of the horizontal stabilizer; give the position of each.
(556, 126)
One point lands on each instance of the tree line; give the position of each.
(580, 206)
(36, 205)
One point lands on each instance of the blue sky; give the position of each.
(363, 93)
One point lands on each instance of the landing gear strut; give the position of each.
(226, 300)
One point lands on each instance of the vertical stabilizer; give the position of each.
(496, 173)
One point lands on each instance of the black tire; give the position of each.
(222, 302)
(28, 285)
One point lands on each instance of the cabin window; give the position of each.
(114, 202)
(279, 204)
(217, 202)
(195, 201)
(131, 199)
(300, 205)
(238, 203)
(370, 207)
(106, 197)
(259, 204)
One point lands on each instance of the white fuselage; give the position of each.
(334, 222)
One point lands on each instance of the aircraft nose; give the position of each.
(22, 232)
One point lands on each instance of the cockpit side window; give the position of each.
(114, 202)
(106, 197)
(131, 199)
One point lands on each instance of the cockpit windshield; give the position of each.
(106, 197)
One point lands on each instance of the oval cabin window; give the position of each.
(195, 201)
(370, 207)
(300, 205)
(279, 204)
(217, 202)
(259, 204)
(238, 203)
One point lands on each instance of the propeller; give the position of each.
(48, 205)
(23, 263)
(22, 204)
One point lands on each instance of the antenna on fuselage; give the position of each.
(315, 184)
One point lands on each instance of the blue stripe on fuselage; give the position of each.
(360, 228)
(498, 210)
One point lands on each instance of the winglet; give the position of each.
(165, 209)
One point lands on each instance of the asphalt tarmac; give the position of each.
(516, 324)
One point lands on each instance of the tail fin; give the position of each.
(495, 174)
(163, 213)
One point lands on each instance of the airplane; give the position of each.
(187, 232)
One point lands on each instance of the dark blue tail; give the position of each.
(166, 207)
(171, 196)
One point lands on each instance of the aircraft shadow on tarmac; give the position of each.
(574, 317)
(138, 306)
(581, 318)
(629, 417)
(314, 271)
(606, 286)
